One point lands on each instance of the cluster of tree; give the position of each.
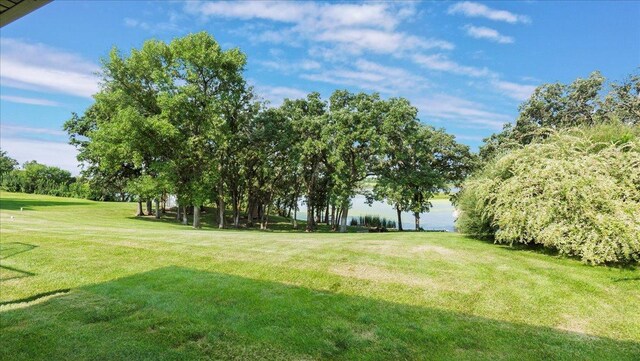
(179, 118)
(560, 106)
(566, 176)
(38, 178)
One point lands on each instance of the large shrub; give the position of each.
(577, 192)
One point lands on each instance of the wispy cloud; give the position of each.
(473, 9)
(20, 131)
(353, 28)
(287, 67)
(42, 68)
(472, 138)
(463, 112)
(481, 32)
(441, 62)
(320, 15)
(30, 101)
(152, 27)
(369, 76)
(277, 94)
(520, 92)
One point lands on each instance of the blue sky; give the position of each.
(465, 65)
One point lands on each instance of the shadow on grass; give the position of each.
(626, 279)
(36, 297)
(11, 249)
(179, 313)
(15, 204)
(10, 273)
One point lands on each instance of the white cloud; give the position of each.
(441, 62)
(56, 154)
(309, 13)
(18, 130)
(277, 94)
(287, 67)
(154, 28)
(42, 68)
(481, 32)
(370, 76)
(30, 101)
(473, 9)
(463, 112)
(520, 92)
(378, 41)
(353, 28)
(472, 138)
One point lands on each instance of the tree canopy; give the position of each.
(178, 118)
(557, 106)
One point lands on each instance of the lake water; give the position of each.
(440, 217)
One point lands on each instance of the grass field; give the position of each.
(87, 280)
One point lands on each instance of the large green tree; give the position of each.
(166, 111)
(430, 161)
(555, 106)
(399, 127)
(353, 136)
(309, 118)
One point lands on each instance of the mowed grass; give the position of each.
(86, 280)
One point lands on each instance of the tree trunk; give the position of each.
(185, 219)
(333, 215)
(311, 226)
(196, 217)
(221, 205)
(295, 217)
(326, 214)
(249, 212)
(343, 219)
(265, 218)
(157, 201)
(417, 216)
(221, 213)
(178, 213)
(236, 210)
(399, 217)
(149, 210)
(140, 213)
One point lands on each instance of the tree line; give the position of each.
(34, 177)
(179, 118)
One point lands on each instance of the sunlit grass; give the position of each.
(86, 280)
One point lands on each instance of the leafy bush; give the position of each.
(577, 192)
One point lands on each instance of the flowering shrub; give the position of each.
(577, 192)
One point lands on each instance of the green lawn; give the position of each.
(86, 280)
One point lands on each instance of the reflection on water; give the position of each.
(440, 217)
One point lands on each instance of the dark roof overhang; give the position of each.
(11, 10)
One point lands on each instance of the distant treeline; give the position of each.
(37, 178)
